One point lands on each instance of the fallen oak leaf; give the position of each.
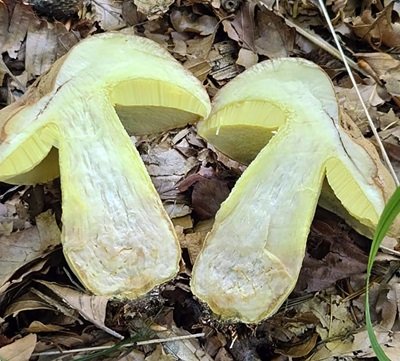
(19, 350)
(20, 248)
(92, 308)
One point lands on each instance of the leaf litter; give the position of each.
(42, 305)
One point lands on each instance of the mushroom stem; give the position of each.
(265, 208)
(108, 200)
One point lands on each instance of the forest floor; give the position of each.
(43, 307)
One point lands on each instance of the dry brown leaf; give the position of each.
(19, 350)
(387, 68)
(4, 21)
(183, 21)
(37, 327)
(379, 29)
(159, 355)
(108, 13)
(27, 302)
(40, 266)
(185, 350)
(332, 253)
(241, 29)
(20, 248)
(300, 350)
(134, 355)
(388, 303)
(247, 58)
(273, 37)
(192, 241)
(92, 308)
(19, 23)
(153, 8)
(359, 346)
(45, 43)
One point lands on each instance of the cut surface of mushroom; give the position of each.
(116, 235)
(251, 259)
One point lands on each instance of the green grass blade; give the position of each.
(389, 214)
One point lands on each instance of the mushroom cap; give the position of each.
(242, 122)
(247, 112)
(146, 85)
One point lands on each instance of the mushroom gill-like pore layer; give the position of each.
(252, 257)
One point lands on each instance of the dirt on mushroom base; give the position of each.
(215, 58)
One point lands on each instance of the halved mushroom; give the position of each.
(116, 235)
(251, 259)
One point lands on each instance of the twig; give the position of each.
(346, 64)
(100, 348)
(317, 40)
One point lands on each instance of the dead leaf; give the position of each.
(386, 68)
(185, 350)
(19, 350)
(40, 266)
(42, 45)
(273, 37)
(377, 30)
(108, 13)
(27, 302)
(159, 355)
(37, 327)
(92, 308)
(183, 21)
(153, 8)
(4, 21)
(388, 303)
(21, 17)
(192, 241)
(333, 253)
(20, 248)
(134, 355)
(241, 29)
(334, 315)
(359, 346)
(247, 58)
(301, 350)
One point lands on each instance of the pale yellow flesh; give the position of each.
(116, 234)
(251, 259)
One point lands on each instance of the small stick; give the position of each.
(101, 348)
(346, 64)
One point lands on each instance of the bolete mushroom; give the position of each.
(251, 259)
(116, 235)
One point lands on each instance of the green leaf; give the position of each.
(389, 214)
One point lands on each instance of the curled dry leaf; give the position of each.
(387, 68)
(153, 8)
(183, 21)
(332, 253)
(185, 350)
(108, 13)
(20, 248)
(360, 346)
(379, 29)
(27, 302)
(45, 43)
(19, 350)
(92, 308)
(19, 22)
